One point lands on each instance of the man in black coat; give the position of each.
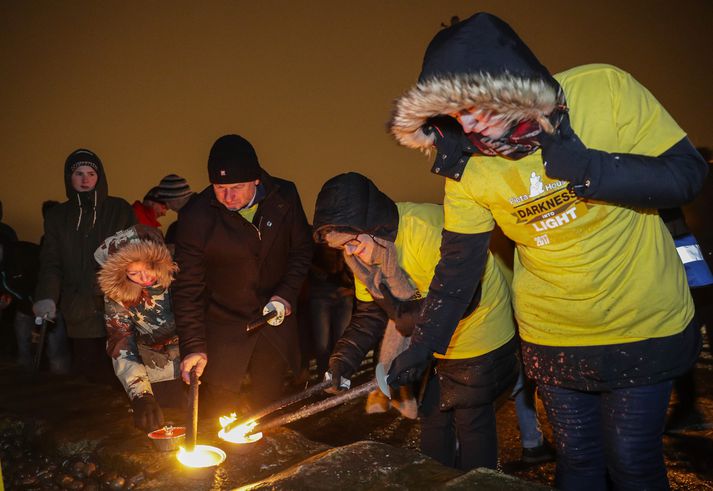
(242, 243)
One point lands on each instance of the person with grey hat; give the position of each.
(174, 191)
(243, 247)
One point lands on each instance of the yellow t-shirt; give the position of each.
(586, 272)
(418, 243)
(248, 213)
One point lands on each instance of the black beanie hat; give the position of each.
(232, 159)
(81, 157)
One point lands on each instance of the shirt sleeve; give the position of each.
(643, 125)
(121, 347)
(49, 279)
(464, 214)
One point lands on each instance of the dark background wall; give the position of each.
(150, 85)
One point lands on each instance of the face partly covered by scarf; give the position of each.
(493, 135)
(479, 65)
(373, 261)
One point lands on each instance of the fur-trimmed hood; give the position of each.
(479, 62)
(122, 249)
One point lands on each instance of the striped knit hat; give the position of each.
(174, 191)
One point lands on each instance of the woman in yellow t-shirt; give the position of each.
(572, 168)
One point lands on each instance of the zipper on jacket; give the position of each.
(257, 228)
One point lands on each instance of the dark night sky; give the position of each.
(150, 85)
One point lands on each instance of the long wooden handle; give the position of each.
(281, 404)
(258, 323)
(40, 346)
(318, 407)
(192, 430)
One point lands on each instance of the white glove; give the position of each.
(274, 305)
(45, 309)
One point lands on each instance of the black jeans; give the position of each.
(609, 436)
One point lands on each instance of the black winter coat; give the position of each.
(18, 270)
(229, 269)
(351, 203)
(73, 231)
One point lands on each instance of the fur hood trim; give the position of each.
(514, 97)
(113, 280)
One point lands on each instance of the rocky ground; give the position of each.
(62, 433)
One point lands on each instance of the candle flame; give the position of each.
(202, 456)
(239, 434)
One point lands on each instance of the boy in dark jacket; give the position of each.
(67, 278)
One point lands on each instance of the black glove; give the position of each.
(337, 371)
(147, 413)
(564, 155)
(403, 312)
(408, 367)
(452, 146)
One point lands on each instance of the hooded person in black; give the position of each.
(67, 278)
(6, 231)
(18, 275)
(392, 249)
(572, 167)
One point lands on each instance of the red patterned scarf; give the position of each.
(521, 140)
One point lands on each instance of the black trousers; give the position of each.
(473, 429)
(458, 410)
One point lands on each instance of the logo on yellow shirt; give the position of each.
(547, 207)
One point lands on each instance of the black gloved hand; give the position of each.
(338, 370)
(403, 312)
(147, 413)
(563, 154)
(451, 143)
(408, 367)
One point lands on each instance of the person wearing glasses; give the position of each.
(392, 249)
